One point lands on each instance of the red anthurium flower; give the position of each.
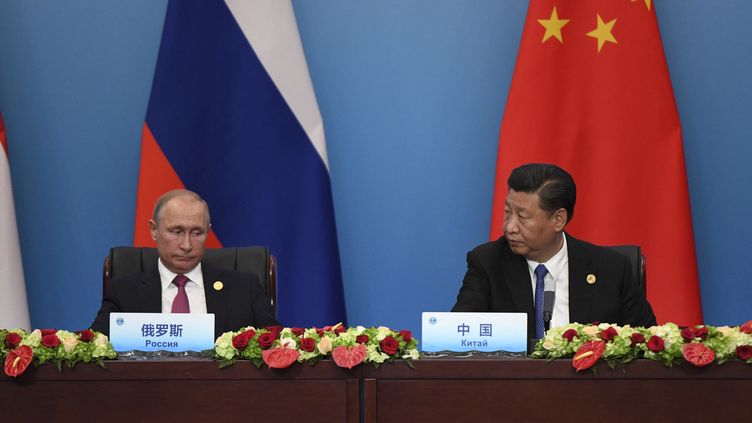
(279, 358)
(349, 357)
(18, 360)
(588, 355)
(698, 354)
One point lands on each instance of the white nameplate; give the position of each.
(161, 331)
(485, 332)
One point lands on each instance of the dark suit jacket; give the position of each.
(498, 280)
(241, 302)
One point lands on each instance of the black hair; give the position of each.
(554, 186)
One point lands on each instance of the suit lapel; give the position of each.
(580, 292)
(216, 300)
(150, 291)
(518, 277)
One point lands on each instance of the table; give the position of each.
(436, 390)
(525, 390)
(195, 390)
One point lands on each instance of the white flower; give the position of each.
(374, 356)
(724, 330)
(382, 332)
(325, 345)
(412, 354)
(102, 340)
(591, 330)
(69, 343)
(288, 343)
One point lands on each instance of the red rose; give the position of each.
(701, 332)
(689, 334)
(266, 339)
(406, 335)
(656, 344)
(241, 340)
(48, 331)
(86, 335)
(362, 339)
(50, 341)
(389, 345)
(698, 354)
(744, 352)
(637, 338)
(747, 327)
(298, 331)
(609, 333)
(12, 340)
(319, 331)
(307, 344)
(569, 335)
(339, 329)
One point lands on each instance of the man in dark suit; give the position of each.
(591, 283)
(178, 282)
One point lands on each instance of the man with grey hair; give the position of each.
(178, 282)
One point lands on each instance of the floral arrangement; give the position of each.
(669, 344)
(280, 347)
(19, 348)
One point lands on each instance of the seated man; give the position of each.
(178, 282)
(592, 284)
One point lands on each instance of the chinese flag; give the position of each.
(591, 93)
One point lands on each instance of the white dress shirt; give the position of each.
(558, 272)
(194, 288)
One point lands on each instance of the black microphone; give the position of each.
(549, 294)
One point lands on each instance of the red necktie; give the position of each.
(180, 303)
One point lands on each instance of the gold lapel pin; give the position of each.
(218, 285)
(590, 279)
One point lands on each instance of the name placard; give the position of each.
(486, 332)
(161, 331)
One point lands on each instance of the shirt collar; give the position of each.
(555, 264)
(166, 275)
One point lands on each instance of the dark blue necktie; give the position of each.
(540, 274)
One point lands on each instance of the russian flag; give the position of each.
(233, 117)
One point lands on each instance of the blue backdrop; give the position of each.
(412, 93)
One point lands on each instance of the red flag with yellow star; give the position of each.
(591, 93)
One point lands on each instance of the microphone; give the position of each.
(549, 294)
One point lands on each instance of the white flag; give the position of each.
(14, 312)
